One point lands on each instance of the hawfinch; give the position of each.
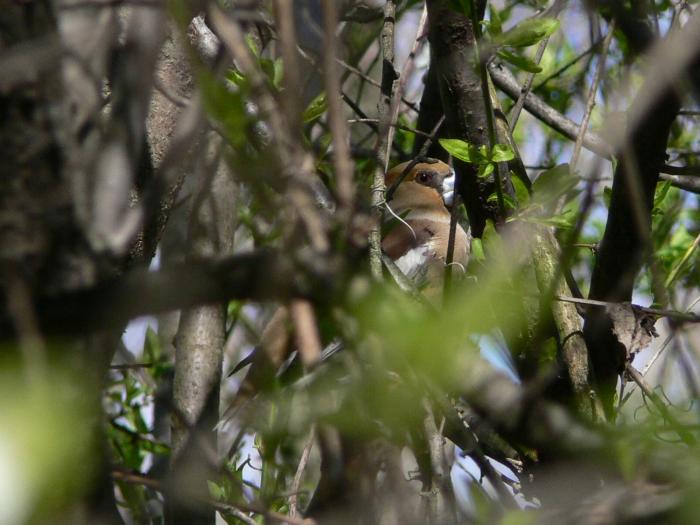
(419, 238)
(417, 243)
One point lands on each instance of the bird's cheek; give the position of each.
(448, 197)
(448, 189)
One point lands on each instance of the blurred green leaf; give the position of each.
(519, 61)
(477, 250)
(252, 45)
(495, 23)
(528, 32)
(502, 153)
(485, 169)
(315, 109)
(521, 192)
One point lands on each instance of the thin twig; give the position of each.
(384, 107)
(296, 482)
(590, 103)
(403, 77)
(506, 81)
(569, 64)
(397, 126)
(686, 436)
(370, 80)
(677, 268)
(341, 152)
(688, 317)
(131, 366)
(306, 332)
(525, 90)
(646, 368)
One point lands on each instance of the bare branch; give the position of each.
(341, 152)
(505, 80)
(384, 112)
(299, 474)
(590, 103)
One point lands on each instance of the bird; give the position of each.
(418, 221)
(418, 242)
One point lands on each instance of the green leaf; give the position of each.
(459, 149)
(315, 109)
(661, 193)
(485, 169)
(521, 192)
(509, 201)
(477, 251)
(237, 78)
(252, 45)
(529, 32)
(555, 181)
(519, 61)
(495, 24)
(216, 492)
(502, 153)
(278, 73)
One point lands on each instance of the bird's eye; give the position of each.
(424, 177)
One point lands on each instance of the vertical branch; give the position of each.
(290, 102)
(341, 151)
(452, 37)
(306, 332)
(199, 344)
(384, 113)
(440, 498)
(397, 95)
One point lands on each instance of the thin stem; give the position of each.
(385, 101)
(341, 157)
(527, 87)
(590, 103)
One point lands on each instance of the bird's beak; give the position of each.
(448, 188)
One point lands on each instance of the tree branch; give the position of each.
(259, 275)
(506, 81)
(627, 231)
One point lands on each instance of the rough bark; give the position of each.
(199, 350)
(40, 241)
(452, 39)
(567, 322)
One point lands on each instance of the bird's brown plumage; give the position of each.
(418, 243)
(419, 240)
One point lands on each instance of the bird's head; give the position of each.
(428, 185)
